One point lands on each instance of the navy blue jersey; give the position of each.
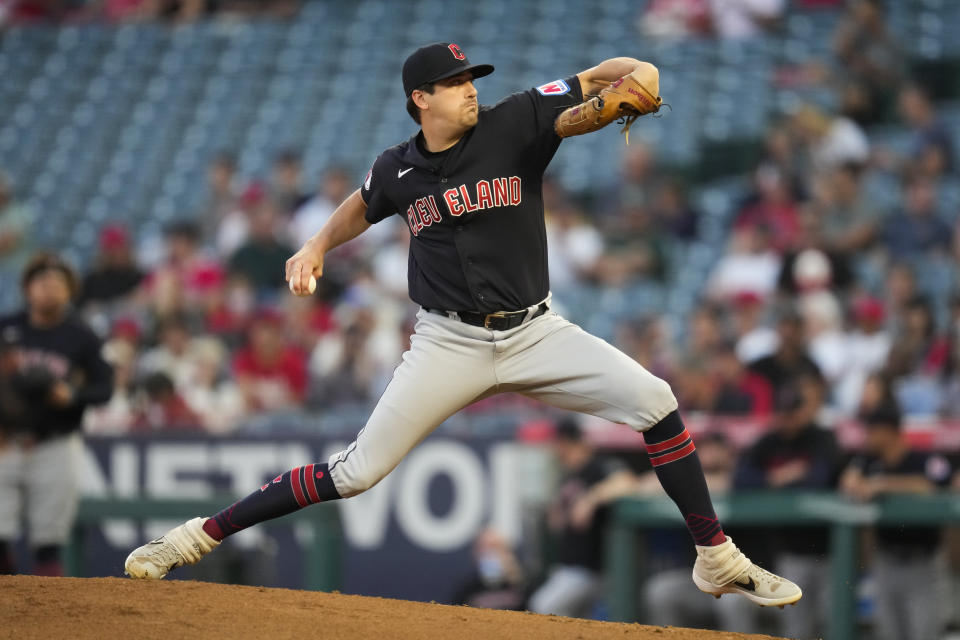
(475, 211)
(69, 351)
(933, 467)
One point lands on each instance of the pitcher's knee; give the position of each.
(356, 484)
(661, 397)
(654, 402)
(351, 477)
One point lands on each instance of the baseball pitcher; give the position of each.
(468, 185)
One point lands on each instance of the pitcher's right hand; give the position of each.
(301, 265)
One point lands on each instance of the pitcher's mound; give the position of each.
(47, 608)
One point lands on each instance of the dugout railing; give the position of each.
(844, 518)
(321, 557)
(630, 517)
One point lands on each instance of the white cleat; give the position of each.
(723, 569)
(181, 545)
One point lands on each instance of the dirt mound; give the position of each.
(117, 608)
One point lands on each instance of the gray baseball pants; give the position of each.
(39, 483)
(569, 591)
(451, 364)
(907, 604)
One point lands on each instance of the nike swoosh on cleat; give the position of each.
(750, 585)
(400, 174)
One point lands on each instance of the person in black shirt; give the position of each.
(53, 370)
(796, 454)
(790, 361)
(577, 517)
(904, 556)
(469, 187)
(259, 255)
(116, 274)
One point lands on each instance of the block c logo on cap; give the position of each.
(457, 53)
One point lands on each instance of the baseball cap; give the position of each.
(126, 328)
(253, 194)
(569, 429)
(207, 277)
(867, 309)
(434, 62)
(113, 236)
(743, 299)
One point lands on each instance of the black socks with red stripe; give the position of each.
(669, 446)
(675, 461)
(295, 489)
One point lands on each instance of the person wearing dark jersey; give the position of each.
(904, 558)
(53, 371)
(469, 187)
(797, 454)
(577, 518)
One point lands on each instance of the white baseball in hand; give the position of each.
(311, 286)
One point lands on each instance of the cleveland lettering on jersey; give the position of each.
(422, 213)
(475, 210)
(485, 194)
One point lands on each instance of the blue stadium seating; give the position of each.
(119, 122)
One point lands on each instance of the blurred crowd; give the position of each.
(904, 588)
(835, 297)
(199, 325)
(120, 11)
(840, 264)
(841, 259)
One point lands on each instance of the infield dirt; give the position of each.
(83, 608)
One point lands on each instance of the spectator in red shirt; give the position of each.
(739, 391)
(173, 286)
(774, 209)
(272, 374)
(161, 408)
(307, 320)
(918, 348)
(225, 305)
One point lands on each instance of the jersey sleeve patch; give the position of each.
(555, 88)
(365, 193)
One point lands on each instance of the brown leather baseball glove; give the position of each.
(635, 94)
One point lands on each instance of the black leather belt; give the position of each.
(498, 321)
